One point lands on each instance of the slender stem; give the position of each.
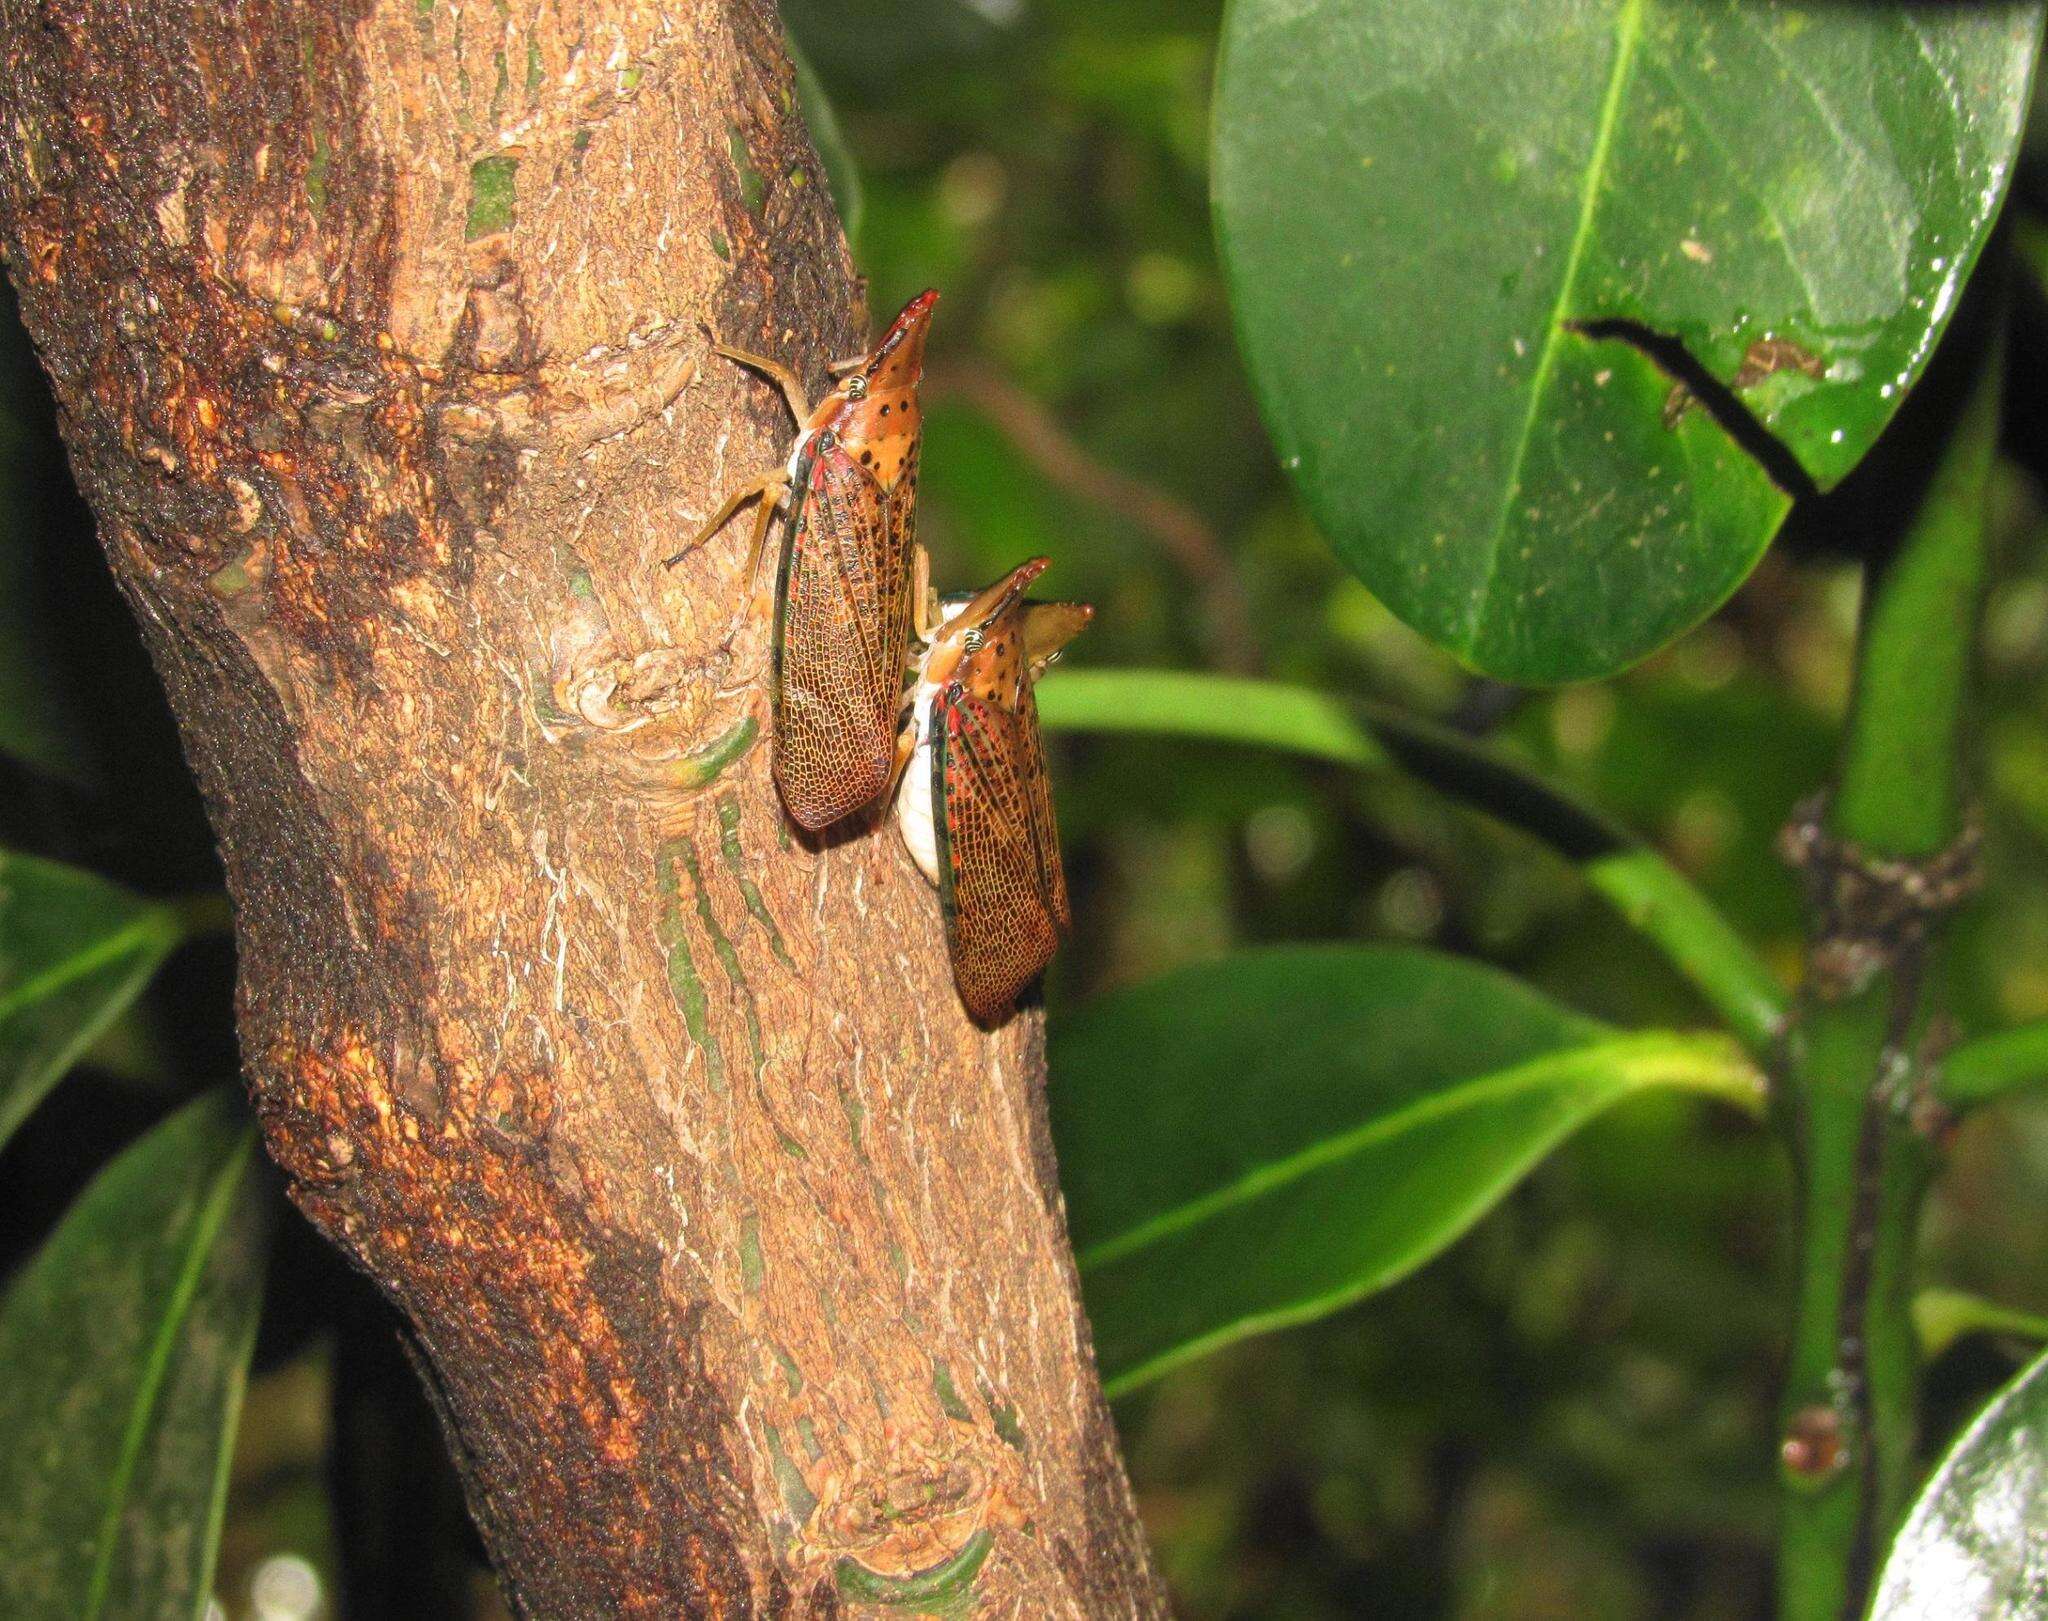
(1901, 782)
(1850, 1382)
(1852, 1068)
(1990, 1067)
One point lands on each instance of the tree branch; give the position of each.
(377, 328)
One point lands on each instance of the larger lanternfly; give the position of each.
(843, 588)
(975, 807)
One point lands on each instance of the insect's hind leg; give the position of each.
(769, 489)
(773, 499)
(772, 491)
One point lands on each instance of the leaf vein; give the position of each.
(1628, 29)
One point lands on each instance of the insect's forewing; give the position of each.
(1000, 882)
(842, 622)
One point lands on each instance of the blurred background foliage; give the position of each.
(1566, 1416)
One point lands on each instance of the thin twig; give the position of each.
(1174, 526)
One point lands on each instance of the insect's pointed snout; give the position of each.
(898, 360)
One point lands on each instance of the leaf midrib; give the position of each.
(1628, 29)
(211, 1219)
(152, 929)
(1710, 1064)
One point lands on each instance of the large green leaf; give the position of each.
(126, 1343)
(1975, 1547)
(1422, 208)
(74, 952)
(1257, 1141)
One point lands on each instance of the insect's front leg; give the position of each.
(780, 375)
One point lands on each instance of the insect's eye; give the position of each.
(857, 387)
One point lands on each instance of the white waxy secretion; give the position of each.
(914, 795)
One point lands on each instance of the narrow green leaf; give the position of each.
(1665, 907)
(1943, 1316)
(1258, 1141)
(126, 1343)
(842, 173)
(1431, 217)
(1220, 708)
(1973, 1548)
(1992, 1066)
(1650, 893)
(1653, 896)
(74, 952)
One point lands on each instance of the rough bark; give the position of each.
(378, 331)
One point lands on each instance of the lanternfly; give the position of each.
(975, 806)
(843, 587)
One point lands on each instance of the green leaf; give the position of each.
(1421, 210)
(829, 140)
(74, 952)
(1651, 894)
(1995, 1065)
(1218, 708)
(1943, 1316)
(1260, 1140)
(1972, 1549)
(126, 1343)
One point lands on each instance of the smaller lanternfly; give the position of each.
(975, 807)
(843, 589)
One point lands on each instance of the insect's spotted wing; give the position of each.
(1000, 882)
(842, 621)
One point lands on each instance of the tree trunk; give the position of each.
(379, 333)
